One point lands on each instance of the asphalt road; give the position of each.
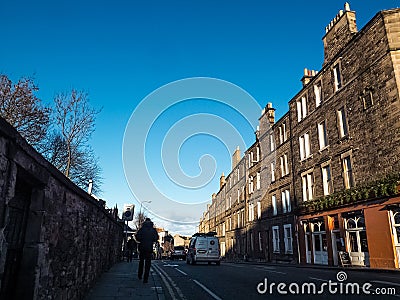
(260, 281)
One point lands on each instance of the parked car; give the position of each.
(178, 252)
(204, 247)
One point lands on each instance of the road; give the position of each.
(261, 281)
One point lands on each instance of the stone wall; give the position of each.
(55, 239)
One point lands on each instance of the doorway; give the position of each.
(356, 238)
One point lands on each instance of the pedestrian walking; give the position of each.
(146, 236)
(130, 246)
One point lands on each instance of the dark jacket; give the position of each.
(146, 236)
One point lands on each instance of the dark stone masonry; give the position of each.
(55, 239)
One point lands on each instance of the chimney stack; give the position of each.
(308, 75)
(221, 181)
(236, 157)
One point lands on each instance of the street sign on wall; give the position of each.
(128, 212)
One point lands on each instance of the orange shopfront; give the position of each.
(368, 232)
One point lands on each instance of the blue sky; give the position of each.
(121, 51)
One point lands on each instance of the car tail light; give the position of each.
(194, 251)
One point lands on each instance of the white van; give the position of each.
(203, 247)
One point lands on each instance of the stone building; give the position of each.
(345, 132)
(328, 168)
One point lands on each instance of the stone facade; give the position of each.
(319, 164)
(55, 239)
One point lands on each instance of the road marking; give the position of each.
(386, 282)
(180, 271)
(165, 277)
(168, 265)
(319, 279)
(268, 270)
(169, 288)
(231, 265)
(207, 290)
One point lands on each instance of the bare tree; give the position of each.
(23, 110)
(77, 122)
(67, 147)
(139, 219)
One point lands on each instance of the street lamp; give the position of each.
(140, 212)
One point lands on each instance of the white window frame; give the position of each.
(337, 77)
(347, 167)
(318, 93)
(274, 205)
(260, 241)
(342, 122)
(288, 238)
(258, 210)
(286, 204)
(275, 239)
(272, 141)
(251, 212)
(272, 172)
(305, 147)
(284, 132)
(284, 165)
(258, 153)
(301, 108)
(307, 180)
(251, 184)
(281, 135)
(327, 183)
(322, 135)
(258, 181)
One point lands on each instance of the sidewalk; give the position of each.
(121, 282)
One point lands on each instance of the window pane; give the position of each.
(317, 92)
(307, 144)
(301, 143)
(353, 241)
(299, 114)
(317, 241)
(304, 106)
(283, 197)
(363, 241)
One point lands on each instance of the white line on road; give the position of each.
(181, 271)
(232, 265)
(268, 270)
(163, 278)
(319, 279)
(172, 283)
(207, 290)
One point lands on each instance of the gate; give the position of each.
(18, 209)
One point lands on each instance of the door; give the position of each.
(266, 248)
(336, 246)
(320, 248)
(395, 221)
(213, 247)
(357, 244)
(307, 239)
(18, 209)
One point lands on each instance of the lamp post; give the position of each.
(140, 212)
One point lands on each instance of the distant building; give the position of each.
(323, 178)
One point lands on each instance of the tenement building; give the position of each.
(321, 184)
